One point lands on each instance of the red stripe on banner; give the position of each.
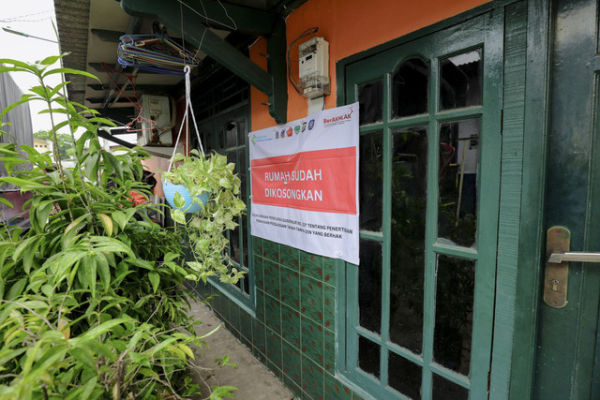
(321, 180)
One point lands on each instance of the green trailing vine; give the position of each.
(214, 177)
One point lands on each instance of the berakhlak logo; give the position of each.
(297, 129)
(338, 119)
(311, 124)
(303, 126)
(254, 140)
(276, 134)
(290, 132)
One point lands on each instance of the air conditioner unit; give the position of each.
(157, 121)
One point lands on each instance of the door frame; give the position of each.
(517, 283)
(530, 252)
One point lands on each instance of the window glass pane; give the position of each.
(234, 244)
(371, 181)
(232, 158)
(370, 98)
(234, 238)
(231, 133)
(454, 313)
(368, 356)
(409, 88)
(459, 164)
(221, 138)
(409, 184)
(245, 238)
(246, 285)
(369, 287)
(404, 376)
(242, 134)
(446, 390)
(241, 171)
(460, 80)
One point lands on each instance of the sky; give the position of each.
(33, 17)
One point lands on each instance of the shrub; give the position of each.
(92, 301)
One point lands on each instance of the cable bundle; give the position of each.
(155, 53)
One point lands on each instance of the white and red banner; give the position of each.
(305, 183)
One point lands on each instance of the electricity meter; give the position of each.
(313, 68)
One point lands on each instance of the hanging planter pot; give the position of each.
(193, 204)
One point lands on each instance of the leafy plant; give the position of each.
(92, 301)
(65, 143)
(213, 177)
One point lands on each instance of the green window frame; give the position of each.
(229, 136)
(482, 32)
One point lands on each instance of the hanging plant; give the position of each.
(212, 194)
(207, 190)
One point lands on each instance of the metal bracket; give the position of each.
(556, 280)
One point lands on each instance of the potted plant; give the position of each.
(186, 187)
(207, 190)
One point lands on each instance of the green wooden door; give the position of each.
(420, 305)
(568, 359)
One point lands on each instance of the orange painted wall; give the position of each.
(350, 26)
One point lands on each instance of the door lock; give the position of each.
(556, 280)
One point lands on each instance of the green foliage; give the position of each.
(65, 143)
(205, 230)
(92, 302)
(222, 392)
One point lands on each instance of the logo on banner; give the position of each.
(280, 135)
(338, 119)
(260, 138)
(296, 129)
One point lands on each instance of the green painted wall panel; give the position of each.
(293, 332)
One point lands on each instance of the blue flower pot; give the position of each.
(192, 204)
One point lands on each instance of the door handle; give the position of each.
(575, 256)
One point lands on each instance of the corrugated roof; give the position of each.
(72, 17)
(20, 130)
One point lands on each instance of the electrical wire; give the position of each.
(25, 17)
(204, 15)
(304, 34)
(234, 27)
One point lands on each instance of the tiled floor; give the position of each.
(253, 379)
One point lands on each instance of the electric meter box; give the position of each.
(158, 132)
(313, 67)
